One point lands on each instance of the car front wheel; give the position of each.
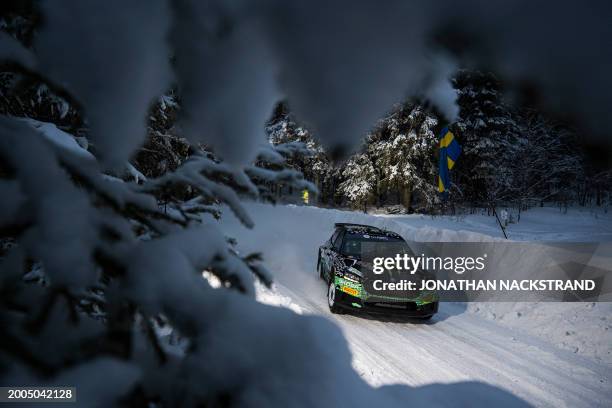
(331, 298)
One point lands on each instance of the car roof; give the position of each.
(362, 229)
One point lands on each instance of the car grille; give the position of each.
(393, 305)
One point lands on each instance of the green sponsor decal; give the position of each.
(423, 298)
(340, 282)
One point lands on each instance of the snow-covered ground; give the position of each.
(550, 354)
(537, 224)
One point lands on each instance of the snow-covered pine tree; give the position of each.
(28, 95)
(164, 149)
(359, 180)
(314, 163)
(403, 149)
(90, 264)
(489, 137)
(24, 94)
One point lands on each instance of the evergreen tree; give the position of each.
(165, 150)
(315, 165)
(403, 147)
(91, 266)
(359, 180)
(489, 137)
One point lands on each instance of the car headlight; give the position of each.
(427, 297)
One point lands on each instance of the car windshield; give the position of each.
(366, 246)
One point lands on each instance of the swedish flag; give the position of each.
(449, 153)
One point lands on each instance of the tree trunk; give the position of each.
(317, 178)
(407, 197)
(399, 192)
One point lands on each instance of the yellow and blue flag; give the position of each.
(449, 153)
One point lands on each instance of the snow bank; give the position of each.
(537, 224)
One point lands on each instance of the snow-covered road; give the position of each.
(457, 345)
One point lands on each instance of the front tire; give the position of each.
(331, 298)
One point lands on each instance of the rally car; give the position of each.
(342, 266)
